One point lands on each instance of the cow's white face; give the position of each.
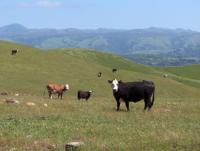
(114, 85)
(90, 91)
(67, 86)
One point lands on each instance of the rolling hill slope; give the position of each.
(172, 124)
(31, 69)
(190, 71)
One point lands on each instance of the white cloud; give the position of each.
(48, 3)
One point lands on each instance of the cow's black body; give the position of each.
(134, 92)
(114, 70)
(84, 95)
(14, 51)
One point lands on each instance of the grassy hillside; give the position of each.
(190, 71)
(163, 60)
(31, 69)
(188, 75)
(172, 124)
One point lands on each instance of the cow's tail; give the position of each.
(152, 102)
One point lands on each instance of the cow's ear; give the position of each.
(109, 81)
(120, 81)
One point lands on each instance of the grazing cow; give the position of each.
(14, 51)
(133, 92)
(57, 88)
(99, 74)
(165, 75)
(84, 94)
(114, 70)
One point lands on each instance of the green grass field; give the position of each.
(189, 71)
(172, 124)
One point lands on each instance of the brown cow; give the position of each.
(57, 88)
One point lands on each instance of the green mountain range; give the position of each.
(160, 43)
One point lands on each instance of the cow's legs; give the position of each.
(118, 105)
(149, 104)
(145, 104)
(61, 94)
(118, 102)
(50, 95)
(127, 105)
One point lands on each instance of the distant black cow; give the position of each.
(99, 74)
(14, 51)
(133, 92)
(84, 94)
(114, 70)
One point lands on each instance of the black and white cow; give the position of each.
(133, 92)
(14, 51)
(114, 70)
(84, 94)
(99, 74)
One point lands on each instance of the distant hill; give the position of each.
(31, 69)
(154, 41)
(150, 40)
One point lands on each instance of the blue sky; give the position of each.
(85, 14)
